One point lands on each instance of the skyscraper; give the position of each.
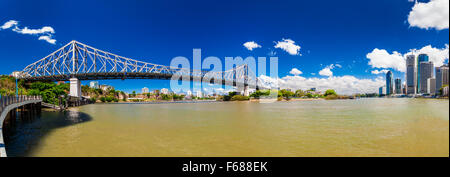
(411, 77)
(441, 77)
(389, 83)
(421, 58)
(426, 72)
(398, 86)
(431, 85)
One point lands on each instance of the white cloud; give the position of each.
(433, 14)
(289, 46)
(380, 71)
(251, 45)
(345, 85)
(45, 33)
(48, 39)
(43, 30)
(380, 58)
(9, 24)
(327, 70)
(295, 71)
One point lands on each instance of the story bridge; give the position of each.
(76, 61)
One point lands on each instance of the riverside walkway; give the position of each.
(8, 109)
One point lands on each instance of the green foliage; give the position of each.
(178, 97)
(259, 93)
(166, 97)
(239, 98)
(286, 94)
(103, 99)
(330, 92)
(299, 93)
(309, 95)
(331, 97)
(93, 99)
(50, 92)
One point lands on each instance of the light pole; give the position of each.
(17, 88)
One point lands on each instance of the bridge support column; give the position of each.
(75, 87)
(246, 91)
(243, 90)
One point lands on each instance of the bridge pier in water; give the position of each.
(75, 87)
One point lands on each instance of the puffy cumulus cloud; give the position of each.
(432, 14)
(295, 71)
(251, 45)
(327, 70)
(380, 71)
(436, 55)
(289, 46)
(345, 85)
(45, 33)
(380, 58)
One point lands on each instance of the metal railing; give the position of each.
(8, 100)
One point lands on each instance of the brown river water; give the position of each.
(362, 127)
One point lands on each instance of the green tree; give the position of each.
(329, 92)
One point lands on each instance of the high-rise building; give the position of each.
(431, 85)
(93, 84)
(389, 83)
(382, 91)
(145, 90)
(441, 77)
(421, 58)
(411, 77)
(398, 86)
(164, 91)
(426, 72)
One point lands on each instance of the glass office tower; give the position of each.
(421, 58)
(389, 83)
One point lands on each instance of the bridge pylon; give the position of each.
(75, 87)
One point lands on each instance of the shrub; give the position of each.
(331, 97)
(239, 98)
(329, 92)
(103, 99)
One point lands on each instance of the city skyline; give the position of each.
(352, 59)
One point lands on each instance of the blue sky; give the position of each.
(341, 33)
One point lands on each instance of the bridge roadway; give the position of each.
(10, 103)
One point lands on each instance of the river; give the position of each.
(362, 127)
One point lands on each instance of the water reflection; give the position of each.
(22, 138)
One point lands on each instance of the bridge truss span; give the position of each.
(78, 60)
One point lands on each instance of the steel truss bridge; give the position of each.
(79, 61)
